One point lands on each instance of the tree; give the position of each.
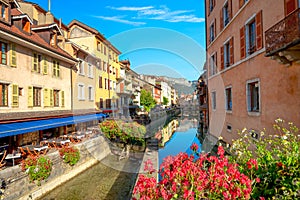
(165, 101)
(147, 100)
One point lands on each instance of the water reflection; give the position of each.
(114, 179)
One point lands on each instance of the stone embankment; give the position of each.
(19, 187)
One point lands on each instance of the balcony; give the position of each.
(283, 39)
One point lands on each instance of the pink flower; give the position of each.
(194, 147)
(257, 180)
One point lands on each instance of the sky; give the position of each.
(159, 37)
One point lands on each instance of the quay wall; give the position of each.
(92, 151)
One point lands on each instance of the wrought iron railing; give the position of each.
(283, 34)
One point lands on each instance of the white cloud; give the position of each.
(121, 20)
(125, 8)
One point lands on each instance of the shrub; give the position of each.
(70, 155)
(272, 160)
(185, 177)
(126, 132)
(37, 167)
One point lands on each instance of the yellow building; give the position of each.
(107, 69)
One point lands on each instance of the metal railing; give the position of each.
(284, 34)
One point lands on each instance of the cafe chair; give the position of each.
(3, 162)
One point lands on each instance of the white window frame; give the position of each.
(226, 54)
(213, 66)
(225, 11)
(90, 71)
(212, 31)
(81, 67)
(247, 37)
(214, 100)
(91, 93)
(81, 95)
(226, 99)
(249, 97)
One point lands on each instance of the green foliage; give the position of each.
(147, 100)
(275, 161)
(165, 101)
(126, 132)
(70, 155)
(37, 167)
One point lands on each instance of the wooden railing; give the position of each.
(284, 34)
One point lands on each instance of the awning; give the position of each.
(31, 126)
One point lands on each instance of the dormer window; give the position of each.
(4, 11)
(26, 25)
(53, 39)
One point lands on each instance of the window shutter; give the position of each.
(231, 51)
(51, 98)
(208, 8)
(13, 56)
(15, 95)
(215, 28)
(241, 3)
(222, 58)
(221, 20)
(45, 65)
(230, 9)
(34, 62)
(30, 96)
(62, 94)
(46, 97)
(259, 38)
(242, 42)
(290, 6)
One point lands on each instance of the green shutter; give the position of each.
(13, 56)
(51, 98)
(45, 65)
(46, 97)
(34, 62)
(30, 96)
(62, 93)
(15, 95)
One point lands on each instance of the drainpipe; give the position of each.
(72, 97)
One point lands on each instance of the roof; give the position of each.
(93, 31)
(46, 26)
(35, 39)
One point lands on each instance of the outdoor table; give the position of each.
(13, 156)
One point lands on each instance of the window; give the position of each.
(91, 93)
(227, 54)
(37, 96)
(13, 55)
(212, 32)
(242, 2)
(56, 98)
(108, 103)
(62, 98)
(104, 50)
(81, 67)
(253, 96)
(105, 83)
(251, 36)
(56, 68)
(211, 5)
(229, 128)
(100, 82)
(228, 96)
(90, 71)
(213, 100)
(101, 103)
(81, 91)
(3, 11)
(225, 16)
(3, 53)
(3, 94)
(98, 46)
(213, 64)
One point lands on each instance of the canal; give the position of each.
(113, 179)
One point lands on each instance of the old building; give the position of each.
(253, 73)
(108, 66)
(35, 78)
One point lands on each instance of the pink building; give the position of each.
(253, 64)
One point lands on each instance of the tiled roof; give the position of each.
(35, 39)
(16, 12)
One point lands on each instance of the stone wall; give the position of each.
(19, 187)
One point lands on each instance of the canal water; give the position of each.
(112, 179)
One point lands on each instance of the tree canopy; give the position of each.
(147, 100)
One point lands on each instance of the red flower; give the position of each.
(257, 180)
(194, 147)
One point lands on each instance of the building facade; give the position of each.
(247, 88)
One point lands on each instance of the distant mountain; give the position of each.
(181, 85)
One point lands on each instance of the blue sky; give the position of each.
(160, 37)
